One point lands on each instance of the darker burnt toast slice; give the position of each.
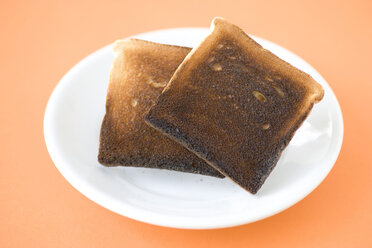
(235, 104)
(139, 73)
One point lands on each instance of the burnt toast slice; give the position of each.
(235, 104)
(139, 72)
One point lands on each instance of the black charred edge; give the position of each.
(181, 138)
(109, 159)
(284, 143)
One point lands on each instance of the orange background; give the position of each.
(40, 40)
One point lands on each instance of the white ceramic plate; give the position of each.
(167, 198)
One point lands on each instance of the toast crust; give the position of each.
(235, 104)
(139, 72)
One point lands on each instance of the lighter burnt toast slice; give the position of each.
(235, 104)
(139, 73)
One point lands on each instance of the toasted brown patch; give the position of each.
(139, 73)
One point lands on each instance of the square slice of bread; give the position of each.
(140, 71)
(235, 104)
